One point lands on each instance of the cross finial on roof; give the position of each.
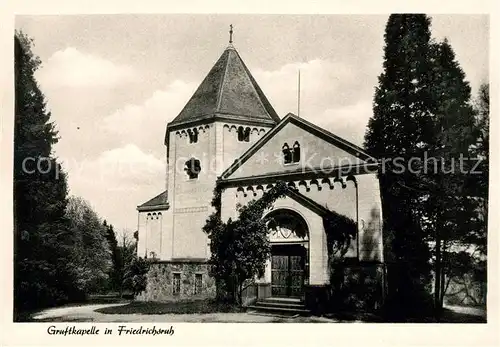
(230, 33)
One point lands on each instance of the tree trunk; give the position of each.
(235, 290)
(442, 290)
(240, 294)
(437, 275)
(443, 275)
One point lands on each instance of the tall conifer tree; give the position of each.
(422, 110)
(482, 148)
(448, 207)
(401, 127)
(117, 265)
(42, 242)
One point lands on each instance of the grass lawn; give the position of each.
(172, 307)
(447, 316)
(450, 316)
(211, 306)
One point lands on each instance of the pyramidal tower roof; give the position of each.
(229, 91)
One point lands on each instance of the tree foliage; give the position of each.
(127, 273)
(42, 240)
(136, 274)
(464, 260)
(91, 255)
(61, 249)
(422, 110)
(449, 209)
(127, 255)
(401, 127)
(340, 232)
(115, 259)
(479, 185)
(121, 256)
(240, 247)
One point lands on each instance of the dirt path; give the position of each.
(473, 311)
(86, 313)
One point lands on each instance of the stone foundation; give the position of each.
(160, 281)
(353, 287)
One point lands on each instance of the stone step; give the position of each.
(279, 309)
(279, 304)
(283, 300)
(269, 314)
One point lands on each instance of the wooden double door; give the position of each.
(287, 270)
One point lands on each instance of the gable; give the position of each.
(319, 150)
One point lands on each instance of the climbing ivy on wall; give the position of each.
(239, 247)
(340, 232)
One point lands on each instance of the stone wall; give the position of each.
(160, 281)
(466, 290)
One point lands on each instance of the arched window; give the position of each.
(193, 135)
(244, 134)
(192, 168)
(241, 134)
(287, 154)
(296, 152)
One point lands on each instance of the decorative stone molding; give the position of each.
(191, 209)
(184, 133)
(301, 186)
(284, 234)
(255, 132)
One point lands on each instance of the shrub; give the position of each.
(136, 275)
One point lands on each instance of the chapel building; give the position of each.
(228, 135)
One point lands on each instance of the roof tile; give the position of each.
(229, 88)
(160, 199)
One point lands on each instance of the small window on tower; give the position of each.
(193, 135)
(287, 154)
(246, 136)
(192, 168)
(241, 134)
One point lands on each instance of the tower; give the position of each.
(227, 114)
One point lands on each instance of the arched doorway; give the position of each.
(289, 237)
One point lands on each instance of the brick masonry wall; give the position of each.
(160, 282)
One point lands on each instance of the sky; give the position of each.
(113, 82)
